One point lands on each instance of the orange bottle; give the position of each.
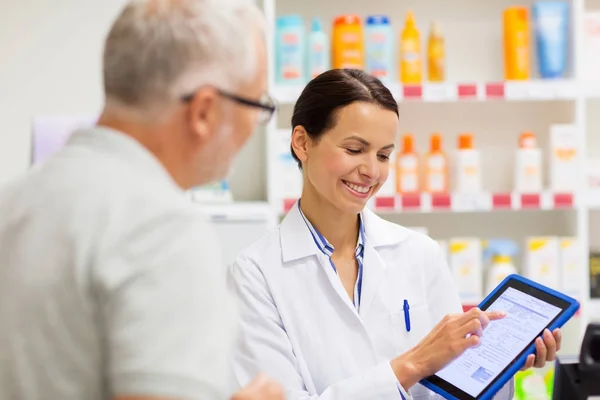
(410, 52)
(407, 167)
(436, 167)
(347, 43)
(516, 43)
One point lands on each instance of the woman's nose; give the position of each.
(370, 168)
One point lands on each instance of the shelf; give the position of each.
(534, 90)
(480, 202)
(457, 202)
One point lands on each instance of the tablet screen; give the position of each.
(503, 341)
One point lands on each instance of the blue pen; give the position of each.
(407, 315)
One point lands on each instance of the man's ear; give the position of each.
(300, 143)
(204, 112)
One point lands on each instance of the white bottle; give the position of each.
(407, 167)
(565, 156)
(528, 168)
(468, 166)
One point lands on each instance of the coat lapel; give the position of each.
(379, 234)
(297, 243)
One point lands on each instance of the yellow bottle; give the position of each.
(410, 52)
(436, 55)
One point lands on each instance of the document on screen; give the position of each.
(502, 341)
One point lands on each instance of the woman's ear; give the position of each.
(300, 143)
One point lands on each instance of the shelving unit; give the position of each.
(474, 98)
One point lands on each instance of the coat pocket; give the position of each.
(406, 336)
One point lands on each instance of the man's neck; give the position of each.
(150, 137)
(339, 228)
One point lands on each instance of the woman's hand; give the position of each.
(545, 350)
(448, 339)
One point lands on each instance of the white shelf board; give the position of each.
(531, 90)
(465, 202)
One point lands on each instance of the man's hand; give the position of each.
(261, 388)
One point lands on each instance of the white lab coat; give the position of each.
(299, 325)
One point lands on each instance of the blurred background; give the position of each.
(498, 154)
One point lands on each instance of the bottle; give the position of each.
(318, 52)
(436, 55)
(436, 173)
(379, 53)
(407, 167)
(410, 52)
(516, 43)
(528, 168)
(289, 67)
(501, 253)
(551, 20)
(347, 42)
(468, 169)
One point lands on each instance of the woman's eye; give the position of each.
(353, 151)
(383, 157)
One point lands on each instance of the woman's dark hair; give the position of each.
(317, 106)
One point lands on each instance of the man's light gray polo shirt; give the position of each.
(110, 281)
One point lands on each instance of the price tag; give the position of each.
(467, 91)
(412, 92)
(494, 90)
(465, 202)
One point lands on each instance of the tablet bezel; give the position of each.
(568, 308)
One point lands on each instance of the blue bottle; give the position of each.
(379, 47)
(318, 50)
(290, 50)
(551, 28)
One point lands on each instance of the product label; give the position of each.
(317, 60)
(291, 56)
(408, 179)
(410, 57)
(408, 183)
(436, 178)
(378, 55)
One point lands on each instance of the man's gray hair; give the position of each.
(160, 50)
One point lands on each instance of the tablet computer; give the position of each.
(480, 372)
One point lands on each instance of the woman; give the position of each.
(323, 297)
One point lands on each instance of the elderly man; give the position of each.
(111, 285)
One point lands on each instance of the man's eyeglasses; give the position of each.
(266, 104)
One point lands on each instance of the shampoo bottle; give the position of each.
(407, 171)
(410, 52)
(436, 167)
(318, 50)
